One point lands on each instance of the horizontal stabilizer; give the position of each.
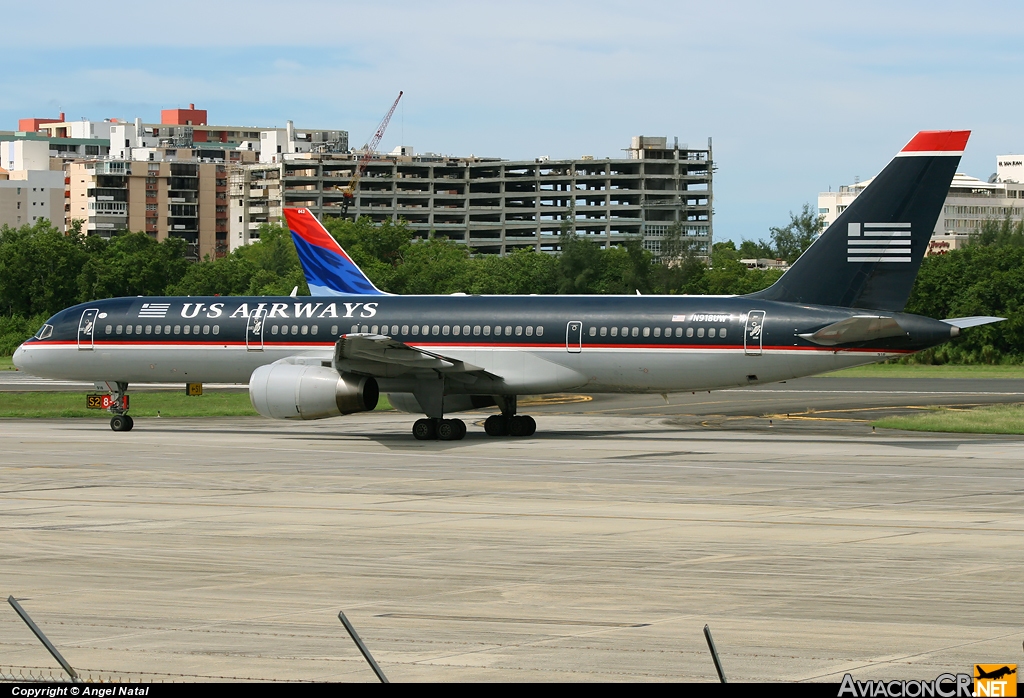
(859, 328)
(963, 322)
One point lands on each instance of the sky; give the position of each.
(797, 96)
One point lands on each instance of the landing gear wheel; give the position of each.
(424, 430)
(496, 425)
(121, 422)
(521, 425)
(131, 423)
(451, 429)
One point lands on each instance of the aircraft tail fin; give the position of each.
(329, 271)
(869, 257)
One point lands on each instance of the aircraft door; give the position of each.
(753, 337)
(254, 330)
(87, 329)
(574, 337)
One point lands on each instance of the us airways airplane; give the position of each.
(839, 305)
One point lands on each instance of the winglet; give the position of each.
(329, 271)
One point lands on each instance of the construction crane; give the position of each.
(368, 150)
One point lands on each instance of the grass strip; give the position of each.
(929, 371)
(51, 405)
(994, 419)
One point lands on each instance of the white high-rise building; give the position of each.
(969, 203)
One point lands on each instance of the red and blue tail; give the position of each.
(329, 271)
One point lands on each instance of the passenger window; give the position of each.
(177, 329)
(206, 329)
(355, 328)
(149, 329)
(314, 329)
(118, 330)
(167, 329)
(415, 329)
(508, 330)
(647, 332)
(334, 330)
(636, 331)
(435, 330)
(625, 331)
(110, 328)
(216, 329)
(195, 329)
(295, 329)
(700, 331)
(465, 329)
(129, 329)
(487, 330)
(721, 333)
(540, 330)
(456, 330)
(668, 332)
(188, 329)
(157, 330)
(444, 330)
(529, 331)
(405, 329)
(138, 329)
(284, 329)
(689, 331)
(615, 332)
(373, 330)
(394, 329)
(711, 332)
(305, 329)
(365, 329)
(657, 331)
(497, 331)
(519, 330)
(604, 331)
(679, 332)
(593, 331)
(476, 329)
(426, 329)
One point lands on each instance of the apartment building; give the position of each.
(167, 179)
(496, 206)
(255, 199)
(969, 203)
(178, 196)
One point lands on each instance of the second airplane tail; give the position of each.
(329, 271)
(869, 257)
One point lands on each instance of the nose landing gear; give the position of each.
(121, 422)
(119, 406)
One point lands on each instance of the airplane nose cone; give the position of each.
(20, 357)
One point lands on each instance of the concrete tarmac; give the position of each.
(595, 550)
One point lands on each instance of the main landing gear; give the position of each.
(515, 425)
(441, 429)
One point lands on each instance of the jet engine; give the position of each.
(284, 390)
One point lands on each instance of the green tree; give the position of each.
(790, 241)
(39, 268)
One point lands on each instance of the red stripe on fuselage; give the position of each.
(450, 345)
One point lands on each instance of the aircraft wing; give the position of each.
(381, 356)
(859, 328)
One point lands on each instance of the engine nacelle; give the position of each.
(284, 390)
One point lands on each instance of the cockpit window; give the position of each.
(44, 332)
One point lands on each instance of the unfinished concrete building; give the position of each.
(496, 206)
